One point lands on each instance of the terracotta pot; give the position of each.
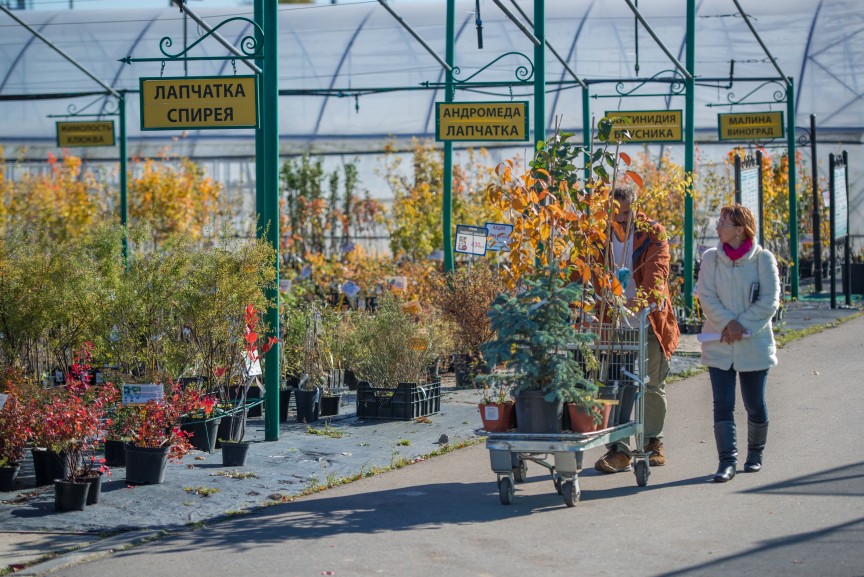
(581, 421)
(497, 418)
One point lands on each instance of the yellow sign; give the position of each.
(750, 126)
(647, 125)
(97, 133)
(481, 120)
(199, 102)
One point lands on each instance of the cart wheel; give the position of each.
(557, 481)
(505, 490)
(520, 473)
(571, 493)
(642, 473)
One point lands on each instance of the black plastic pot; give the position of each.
(95, 483)
(8, 476)
(234, 454)
(115, 453)
(70, 495)
(330, 405)
(47, 466)
(308, 405)
(534, 414)
(146, 465)
(204, 433)
(231, 428)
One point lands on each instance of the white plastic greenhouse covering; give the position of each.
(363, 48)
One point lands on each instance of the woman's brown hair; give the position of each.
(739, 215)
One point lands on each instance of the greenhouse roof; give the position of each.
(352, 76)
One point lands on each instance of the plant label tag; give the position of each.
(141, 394)
(490, 412)
(252, 368)
(350, 289)
(3, 399)
(471, 239)
(498, 235)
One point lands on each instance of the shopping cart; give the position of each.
(623, 360)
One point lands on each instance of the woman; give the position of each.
(739, 291)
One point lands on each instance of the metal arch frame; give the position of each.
(431, 111)
(342, 59)
(23, 50)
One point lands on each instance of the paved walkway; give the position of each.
(299, 462)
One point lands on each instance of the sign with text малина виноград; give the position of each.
(481, 121)
(750, 126)
(647, 126)
(199, 102)
(78, 133)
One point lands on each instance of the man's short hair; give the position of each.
(624, 194)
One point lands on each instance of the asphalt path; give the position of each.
(803, 515)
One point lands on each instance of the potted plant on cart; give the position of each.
(533, 335)
(496, 406)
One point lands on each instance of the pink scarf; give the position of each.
(736, 253)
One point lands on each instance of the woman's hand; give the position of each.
(733, 332)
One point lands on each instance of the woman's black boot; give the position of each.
(727, 450)
(757, 434)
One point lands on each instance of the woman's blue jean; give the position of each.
(752, 393)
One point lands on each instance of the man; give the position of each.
(640, 245)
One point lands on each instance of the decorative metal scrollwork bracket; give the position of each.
(249, 46)
(523, 74)
(779, 96)
(673, 77)
(110, 105)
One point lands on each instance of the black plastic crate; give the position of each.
(404, 403)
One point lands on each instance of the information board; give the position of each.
(79, 133)
(481, 121)
(499, 236)
(841, 207)
(471, 239)
(647, 125)
(141, 394)
(750, 126)
(750, 194)
(199, 102)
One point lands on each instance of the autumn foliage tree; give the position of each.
(61, 203)
(415, 222)
(176, 197)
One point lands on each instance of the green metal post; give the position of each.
(586, 130)
(260, 178)
(124, 177)
(270, 213)
(447, 200)
(793, 186)
(689, 144)
(540, 71)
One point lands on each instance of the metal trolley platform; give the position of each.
(510, 452)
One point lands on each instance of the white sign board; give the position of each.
(499, 235)
(841, 207)
(471, 239)
(141, 394)
(750, 193)
(252, 368)
(3, 399)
